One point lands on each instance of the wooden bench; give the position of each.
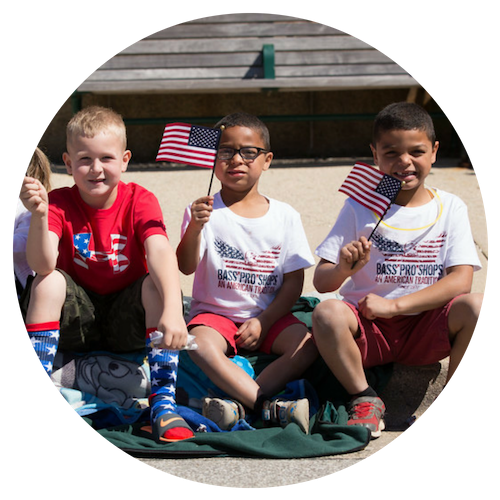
(246, 53)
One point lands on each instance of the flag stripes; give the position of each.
(371, 188)
(189, 144)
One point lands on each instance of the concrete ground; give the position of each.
(311, 187)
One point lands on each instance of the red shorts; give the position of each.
(227, 328)
(421, 339)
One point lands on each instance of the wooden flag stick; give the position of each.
(215, 161)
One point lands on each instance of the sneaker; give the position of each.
(223, 412)
(368, 412)
(286, 412)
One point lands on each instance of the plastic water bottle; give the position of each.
(156, 337)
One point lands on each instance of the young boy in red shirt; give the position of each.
(88, 245)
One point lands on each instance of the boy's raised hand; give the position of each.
(355, 254)
(34, 196)
(201, 210)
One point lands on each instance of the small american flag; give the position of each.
(370, 187)
(189, 144)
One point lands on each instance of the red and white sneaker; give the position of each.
(368, 412)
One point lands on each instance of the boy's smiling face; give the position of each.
(96, 164)
(407, 155)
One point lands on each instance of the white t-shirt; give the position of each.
(412, 246)
(242, 261)
(21, 227)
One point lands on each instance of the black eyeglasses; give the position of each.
(247, 153)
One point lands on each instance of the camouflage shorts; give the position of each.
(89, 322)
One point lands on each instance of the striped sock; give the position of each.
(45, 339)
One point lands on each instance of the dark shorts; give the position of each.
(227, 328)
(422, 339)
(90, 322)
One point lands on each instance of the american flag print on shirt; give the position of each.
(371, 188)
(189, 144)
(83, 253)
(426, 251)
(257, 262)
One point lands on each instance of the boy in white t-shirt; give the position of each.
(408, 298)
(249, 253)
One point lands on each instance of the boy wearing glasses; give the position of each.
(248, 253)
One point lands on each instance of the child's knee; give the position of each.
(210, 346)
(46, 298)
(469, 305)
(328, 313)
(333, 322)
(464, 312)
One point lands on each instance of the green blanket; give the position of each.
(329, 435)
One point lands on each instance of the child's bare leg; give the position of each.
(334, 326)
(296, 351)
(462, 320)
(48, 294)
(151, 301)
(211, 357)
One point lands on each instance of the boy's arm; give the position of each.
(42, 244)
(329, 277)
(188, 250)
(252, 332)
(163, 269)
(458, 280)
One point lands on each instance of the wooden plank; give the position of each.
(137, 61)
(193, 73)
(239, 18)
(239, 72)
(246, 29)
(242, 72)
(338, 70)
(245, 45)
(249, 85)
(245, 17)
(183, 60)
(311, 57)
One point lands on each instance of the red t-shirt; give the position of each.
(103, 250)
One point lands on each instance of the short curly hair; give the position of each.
(240, 119)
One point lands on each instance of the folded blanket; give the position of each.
(329, 435)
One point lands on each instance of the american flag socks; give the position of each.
(165, 423)
(45, 339)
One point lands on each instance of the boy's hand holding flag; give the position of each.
(372, 189)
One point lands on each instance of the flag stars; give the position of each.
(51, 350)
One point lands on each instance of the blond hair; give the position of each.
(39, 168)
(95, 119)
